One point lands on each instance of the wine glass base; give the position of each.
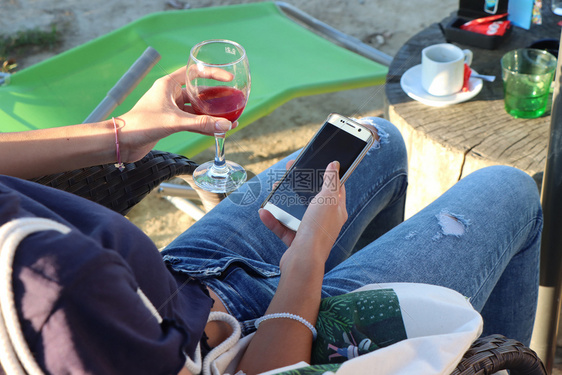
(219, 180)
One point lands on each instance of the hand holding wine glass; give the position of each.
(218, 84)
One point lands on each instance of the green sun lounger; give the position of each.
(286, 59)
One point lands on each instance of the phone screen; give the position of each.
(304, 181)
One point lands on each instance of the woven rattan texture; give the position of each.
(117, 190)
(494, 353)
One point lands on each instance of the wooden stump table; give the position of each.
(447, 143)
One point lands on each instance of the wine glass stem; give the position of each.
(219, 151)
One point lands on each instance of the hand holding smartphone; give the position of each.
(339, 138)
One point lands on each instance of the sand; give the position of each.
(384, 24)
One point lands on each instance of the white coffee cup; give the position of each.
(443, 68)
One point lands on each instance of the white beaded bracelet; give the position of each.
(288, 316)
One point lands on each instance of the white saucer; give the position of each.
(411, 84)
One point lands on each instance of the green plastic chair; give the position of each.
(287, 60)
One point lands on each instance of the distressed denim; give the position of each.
(481, 238)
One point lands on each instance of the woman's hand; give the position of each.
(285, 234)
(281, 342)
(160, 112)
(321, 223)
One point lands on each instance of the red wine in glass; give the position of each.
(218, 85)
(220, 101)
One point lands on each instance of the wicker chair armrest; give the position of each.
(120, 191)
(491, 354)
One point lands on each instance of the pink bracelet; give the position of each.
(119, 165)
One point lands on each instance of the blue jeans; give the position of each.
(480, 238)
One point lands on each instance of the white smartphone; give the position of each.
(341, 139)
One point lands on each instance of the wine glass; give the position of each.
(218, 84)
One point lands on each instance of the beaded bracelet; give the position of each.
(288, 316)
(119, 165)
